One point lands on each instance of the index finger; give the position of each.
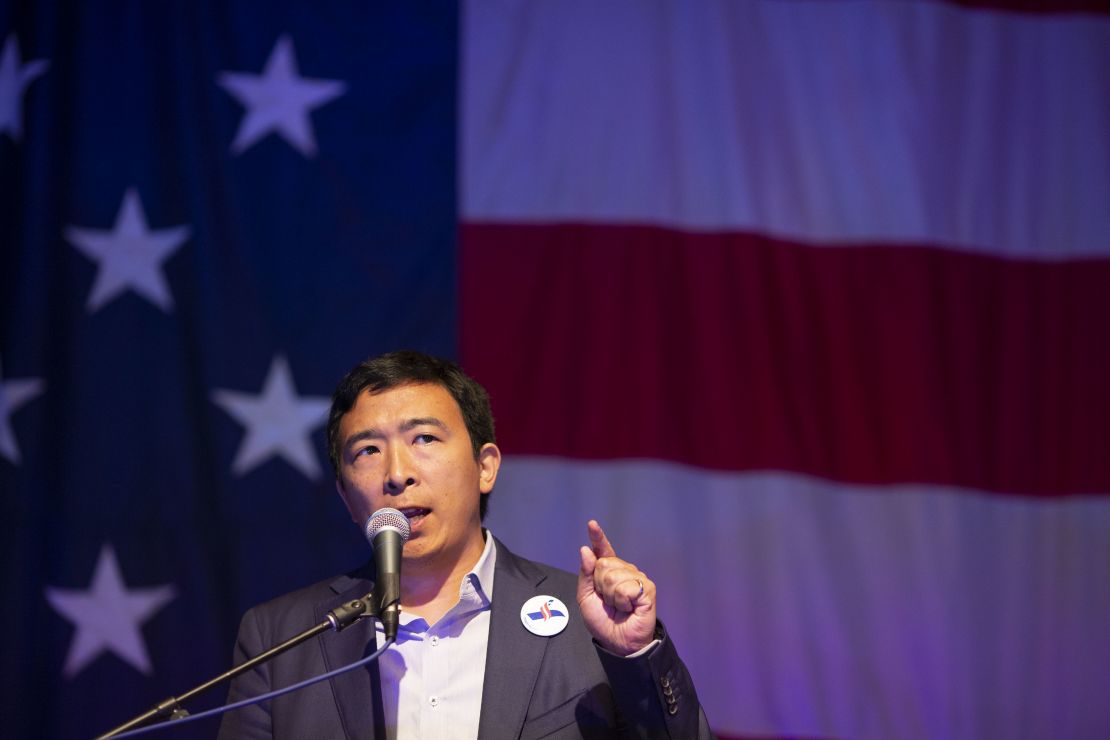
(599, 543)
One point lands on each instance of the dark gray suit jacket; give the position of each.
(557, 687)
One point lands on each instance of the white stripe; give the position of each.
(810, 608)
(830, 122)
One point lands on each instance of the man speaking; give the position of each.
(489, 645)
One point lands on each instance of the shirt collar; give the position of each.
(480, 577)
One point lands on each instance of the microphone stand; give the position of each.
(337, 619)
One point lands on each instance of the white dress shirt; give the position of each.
(432, 677)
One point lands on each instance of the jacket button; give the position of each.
(665, 681)
(672, 709)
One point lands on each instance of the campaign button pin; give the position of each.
(544, 616)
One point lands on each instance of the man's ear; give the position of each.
(489, 462)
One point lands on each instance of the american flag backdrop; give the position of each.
(807, 301)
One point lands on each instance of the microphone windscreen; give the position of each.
(387, 518)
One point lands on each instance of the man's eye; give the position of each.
(367, 450)
(423, 439)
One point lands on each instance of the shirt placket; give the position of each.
(436, 685)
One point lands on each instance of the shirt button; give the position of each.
(434, 640)
(434, 701)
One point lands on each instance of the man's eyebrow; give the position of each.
(362, 435)
(423, 421)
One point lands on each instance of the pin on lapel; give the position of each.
(544, 615)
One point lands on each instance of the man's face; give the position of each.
(408, 448)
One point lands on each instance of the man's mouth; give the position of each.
(415, 514)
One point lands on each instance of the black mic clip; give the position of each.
(346, 614)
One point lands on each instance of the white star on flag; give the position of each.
(277, 422)
(279, 100)
(129, 256)
(108, 616)
(14, 79)
(13, 394)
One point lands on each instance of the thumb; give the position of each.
(586, 573)
(589, 563)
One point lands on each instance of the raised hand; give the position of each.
(616, 598)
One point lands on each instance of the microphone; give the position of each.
(387, 530)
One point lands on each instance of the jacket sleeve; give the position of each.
(654, 694)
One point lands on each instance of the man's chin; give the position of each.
(414, 552)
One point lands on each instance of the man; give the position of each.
(487, 647)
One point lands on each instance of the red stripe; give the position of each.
(739, 352)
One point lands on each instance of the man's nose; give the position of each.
(400, 474)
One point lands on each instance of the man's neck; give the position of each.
(429, 590)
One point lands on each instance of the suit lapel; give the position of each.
(513, 655)
(352, 689)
